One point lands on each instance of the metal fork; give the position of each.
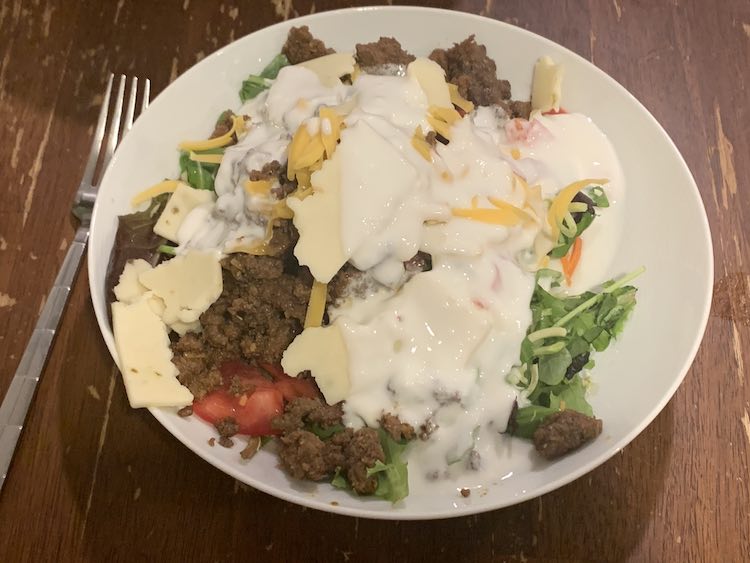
(17, 400)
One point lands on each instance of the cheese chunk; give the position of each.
(431, 78)
(322, 351)
(142, 343)
(330, 68)
(546, 87)
(129, 289)
(187, 284)
(181, 202)
(318, 220)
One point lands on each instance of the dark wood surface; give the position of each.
(94, 480)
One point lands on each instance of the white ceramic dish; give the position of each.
(664, 217)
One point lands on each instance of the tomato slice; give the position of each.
(264, 400)
(260, 408)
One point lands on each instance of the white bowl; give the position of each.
(664, 223)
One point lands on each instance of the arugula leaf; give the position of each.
(256, 83)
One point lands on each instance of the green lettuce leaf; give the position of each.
(393, 478)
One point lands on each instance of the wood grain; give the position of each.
(96, 481)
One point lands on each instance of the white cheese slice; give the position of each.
(546, 87)
(142, 343)
(318, 220)
(431, 78)
(375, 180)
(129, 289)
(181, 202)
(188, 285)
(330, 68)
(322, 351)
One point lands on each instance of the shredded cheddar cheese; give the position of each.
(504, 214)
(238, 126)
(167, 186)
(317, 305)
(258, 187)
(558, 209)
(515, 153)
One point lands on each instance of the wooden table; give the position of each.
(94, 480)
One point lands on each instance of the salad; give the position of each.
(380, 266)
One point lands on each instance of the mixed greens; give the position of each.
(393, 478)
(256, 83)
(564, 332)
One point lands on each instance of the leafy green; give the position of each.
(167, 249)
(565, 242)
(199, 175)
(339, 481)
(256, 83)
(393, 479)
(598, 196)
(551, 361)
(596, 199)
(324, 432)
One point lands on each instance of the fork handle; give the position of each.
(17, 400)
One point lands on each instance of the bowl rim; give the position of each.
(234, 470)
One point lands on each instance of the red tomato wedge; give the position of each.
(263, 401)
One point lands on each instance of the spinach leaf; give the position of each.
(256, 83)
(199, 175)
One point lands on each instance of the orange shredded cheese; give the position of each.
(558, 209)
(258, 187)
(515, 153)
(238, 126)
(167, 186)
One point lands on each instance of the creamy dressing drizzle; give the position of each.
(435, 349)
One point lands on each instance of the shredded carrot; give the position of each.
(570, 261)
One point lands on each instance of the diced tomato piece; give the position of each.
(253, 412)
(215, 406)
(558, 111)
(263, 401)
(259, 409)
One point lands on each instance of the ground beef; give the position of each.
(467, 65)
(275, 171)
(564, 431)
(185, 411)
(302, 455)
(398, 430)
(260, 311)
(223, 124)
(303, 410)
(306, 456)
(420, 262)
(384, 51)
(348, 280)
(301, 46)
(516, 108)
(227, 427)
(362, 451)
